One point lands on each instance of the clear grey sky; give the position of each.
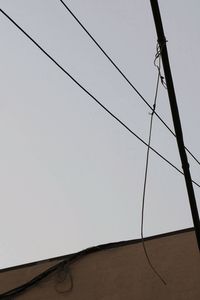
(71, 176)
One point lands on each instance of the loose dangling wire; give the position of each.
(159, 78)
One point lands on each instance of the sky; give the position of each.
(71, 176)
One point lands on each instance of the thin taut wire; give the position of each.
(124, 76)
(89, 94)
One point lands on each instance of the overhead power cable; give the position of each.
(124, 76)
(89, 94)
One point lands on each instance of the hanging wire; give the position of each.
(63, 276)
(157, 57)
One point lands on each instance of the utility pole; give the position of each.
(175, 116)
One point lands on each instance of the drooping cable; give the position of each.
(64, 266)
(61, 266)
(93, 97)
(157, 56)
(125, 77)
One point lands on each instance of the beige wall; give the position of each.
(119, 273)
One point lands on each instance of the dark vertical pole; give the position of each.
(175, 116)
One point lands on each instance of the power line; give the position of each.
(89, 94)
(124, 76)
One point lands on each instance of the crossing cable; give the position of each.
(157, 56)
(124, 76)
(89, 94)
